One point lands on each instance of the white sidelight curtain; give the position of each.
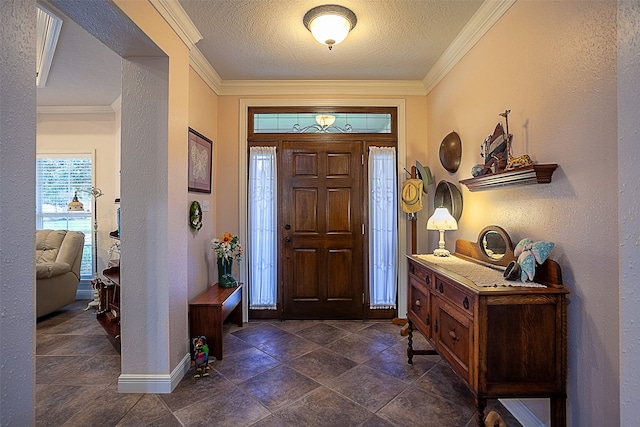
(383, 226)
(262, 228)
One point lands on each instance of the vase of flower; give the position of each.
(227, 249)
(225, 277)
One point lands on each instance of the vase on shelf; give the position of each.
(225, 278)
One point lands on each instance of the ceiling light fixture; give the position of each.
(330, 23)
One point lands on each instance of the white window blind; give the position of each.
(58, 177)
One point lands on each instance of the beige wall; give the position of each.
(98, 133)
(554, 65)
(203, 112)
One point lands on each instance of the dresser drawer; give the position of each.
(419, 305)
(452, 333)
(421, 274)
(462, 300)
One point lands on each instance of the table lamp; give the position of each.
(441, 220)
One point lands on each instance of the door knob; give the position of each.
(287, 227)
(287, 239)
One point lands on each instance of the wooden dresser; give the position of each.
(503, 341)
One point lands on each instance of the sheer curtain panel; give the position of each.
(262, 228)
(383, 227)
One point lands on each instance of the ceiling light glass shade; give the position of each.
(325, 119)
(330, 24)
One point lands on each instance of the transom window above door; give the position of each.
(321, 121)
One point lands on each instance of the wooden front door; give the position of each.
(320, 220)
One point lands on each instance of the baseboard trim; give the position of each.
(522, 413)
(158, 384)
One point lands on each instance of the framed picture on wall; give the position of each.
(200, 151)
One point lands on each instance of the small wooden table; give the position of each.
(209, 310)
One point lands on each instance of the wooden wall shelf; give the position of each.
(536, 174)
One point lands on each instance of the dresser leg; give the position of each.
(558, 407)
(480, 405)
(410, 341)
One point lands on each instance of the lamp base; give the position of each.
(441, 252)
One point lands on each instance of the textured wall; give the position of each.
(170, 122)
(629, 205)
(17, 212)
(554, 65)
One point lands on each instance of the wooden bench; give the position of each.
(209, 310)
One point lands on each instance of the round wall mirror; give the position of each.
(493, 245)
(494, 242)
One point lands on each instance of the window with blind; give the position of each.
(58, 178)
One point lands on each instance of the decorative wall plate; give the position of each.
(195, 216)
(449, 196)
(451, 152)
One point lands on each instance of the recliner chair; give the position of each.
(58, 258)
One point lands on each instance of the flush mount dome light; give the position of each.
(330, 23)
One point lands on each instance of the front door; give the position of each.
(320, 224)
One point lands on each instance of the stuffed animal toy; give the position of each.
(529, 254)
(201, 356)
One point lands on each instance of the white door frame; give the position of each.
(243, 167)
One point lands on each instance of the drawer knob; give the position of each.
(418, 303)
(428, 280)
(452, 334)
(440, 288)
(465, 303)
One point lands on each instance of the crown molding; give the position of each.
(203, 68)
(177, 18)
(323, 87)
(117, 104)
(76, 109)
(487, 15)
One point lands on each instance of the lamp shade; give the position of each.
(329, 24)
(75, 205)
(442, 220)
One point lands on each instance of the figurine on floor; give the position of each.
(201, 356)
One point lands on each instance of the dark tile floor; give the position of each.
(292, 373)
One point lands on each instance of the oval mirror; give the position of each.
(493, 245)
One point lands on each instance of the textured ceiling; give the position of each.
(266, 40)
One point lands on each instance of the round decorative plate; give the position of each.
(451, 152)
(448, 196)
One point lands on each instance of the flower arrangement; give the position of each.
(227, 247)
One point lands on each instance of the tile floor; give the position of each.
(292, 373)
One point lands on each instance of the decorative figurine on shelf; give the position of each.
(201, 356)
(495, 150)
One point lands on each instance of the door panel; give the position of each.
(320, 221)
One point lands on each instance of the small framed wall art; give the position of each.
(200, 153)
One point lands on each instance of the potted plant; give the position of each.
(227, 249)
